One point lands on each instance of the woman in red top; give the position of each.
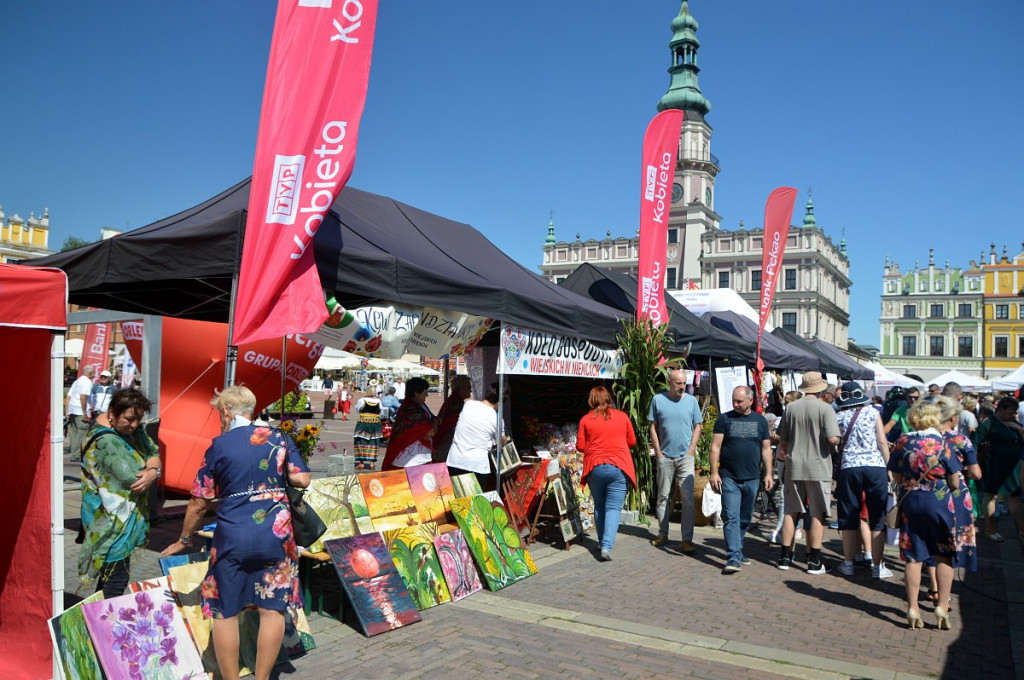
(605, 437)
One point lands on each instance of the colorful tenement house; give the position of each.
(1004, 312)
(812, 298)
(20, 240)
(931, 319)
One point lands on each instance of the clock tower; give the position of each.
(693, 190)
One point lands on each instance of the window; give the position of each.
(673, 236)
(790, 279)
(789, 321)
(1002, 311)
(621, 251)
(963, 310)
(723, 279)
(965, 346)
(725, 246)
(909, 311)
(936, 346)
(1002, 347)
(909, 345)
(755, 279)
(670, 278)
(1020, 345)
(592, 252)
(936, 312)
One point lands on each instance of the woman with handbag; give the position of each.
(254, 559)
(864, 453)
(928, 472)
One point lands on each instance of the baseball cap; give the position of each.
(105, 374)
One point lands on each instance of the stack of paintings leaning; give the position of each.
(407, 540)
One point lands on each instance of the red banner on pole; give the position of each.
(661, 149)
(96, 348)
(312, 103)
(778, 212)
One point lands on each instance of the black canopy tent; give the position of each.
(619, 290)
(370, 249)
(854, 370)
(828, 364)
(775, 352)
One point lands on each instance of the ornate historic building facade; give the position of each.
(21, 239)
(812, 297)
(932, 319)
(1003, 348)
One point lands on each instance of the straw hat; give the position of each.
(812, 383)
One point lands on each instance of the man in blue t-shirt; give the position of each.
(742, 442)
(675, 419)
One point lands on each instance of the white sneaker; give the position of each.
(881, 571)
(846, 568)
(773, 537)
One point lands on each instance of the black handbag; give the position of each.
(307, 526)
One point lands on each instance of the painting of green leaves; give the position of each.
(339, 502)
(495, 544)
(412, 549)
(72, 644)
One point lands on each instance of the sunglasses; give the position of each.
(855, 394)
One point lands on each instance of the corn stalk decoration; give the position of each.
(643, 345)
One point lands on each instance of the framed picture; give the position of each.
(568, 532)
(509, 457)
(559, 491)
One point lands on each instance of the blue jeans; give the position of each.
(737, 509)
(608, 485)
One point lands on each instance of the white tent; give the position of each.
(969, 383)
(335, 360)
(73, 347)
(1010, 381)
(886, 379)
(717, 300)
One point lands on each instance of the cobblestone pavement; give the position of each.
(656, 613)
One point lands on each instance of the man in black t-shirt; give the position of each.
(742, 441)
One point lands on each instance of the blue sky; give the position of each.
(904, 116)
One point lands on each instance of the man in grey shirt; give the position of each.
(808, 433)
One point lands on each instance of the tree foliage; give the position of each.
(72, 242)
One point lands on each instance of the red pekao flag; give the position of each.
(778, 212)
(312, 103)
(661, 148)
(95, 348)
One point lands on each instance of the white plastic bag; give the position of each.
(711, 502)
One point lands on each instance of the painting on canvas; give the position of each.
(72, 645)
(431, 490)
(457, 564)
(372, 583)
(559, 492)
(177, 560)
(339, 502)
(144, 636)
(159, 583)
(412, 549)
(389, 499)
(466, 485)
(568, 532)
(495, 545)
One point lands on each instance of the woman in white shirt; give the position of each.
(475, 434)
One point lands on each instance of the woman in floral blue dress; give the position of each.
(928, 472)
(253, 559)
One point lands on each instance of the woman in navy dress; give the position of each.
(253, 559)
(928, 472)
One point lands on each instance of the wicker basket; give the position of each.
(700, 481)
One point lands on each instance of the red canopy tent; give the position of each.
(33, 318)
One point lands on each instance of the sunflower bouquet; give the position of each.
(306, 437)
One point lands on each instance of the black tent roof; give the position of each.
(618, 290)
(775, 352)
(853, 369)
(370, 249)
(828, 363)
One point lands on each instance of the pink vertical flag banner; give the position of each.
(305, 151)
(778, 212)
(661, 150)
(96, 348)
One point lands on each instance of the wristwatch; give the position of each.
(186, 539)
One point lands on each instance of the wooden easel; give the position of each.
(560, 517)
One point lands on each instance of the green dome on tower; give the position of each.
(683, 90)
(550, 238)
(809, 221)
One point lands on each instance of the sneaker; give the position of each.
(730, 568)
(846, 568)
(745, 562)
(816, 568)
(784, 563)
(833, 525)
(659, 540)
(863, 560)
(881, 571)
(773, 537)
(687, 547)
(606, 556)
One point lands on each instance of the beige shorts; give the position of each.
(817, 494)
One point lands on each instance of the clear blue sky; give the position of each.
(904, 117)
